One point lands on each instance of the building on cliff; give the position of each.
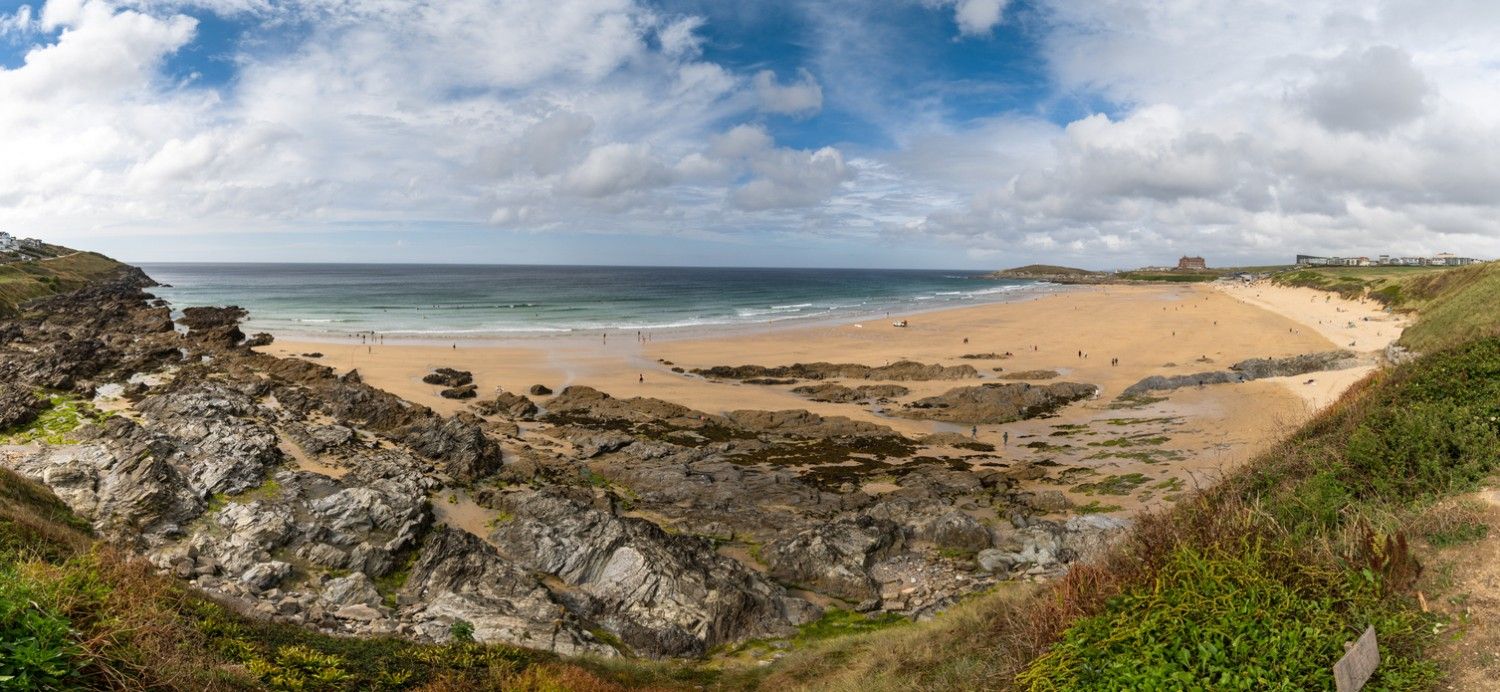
(1192, 263)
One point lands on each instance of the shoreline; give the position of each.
(545, 336)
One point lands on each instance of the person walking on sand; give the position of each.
(974, 432)
(643, 378)
(1005, 439)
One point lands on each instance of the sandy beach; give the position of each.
(1193, 434)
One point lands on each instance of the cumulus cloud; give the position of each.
(800, 98)
(613, 169)
(974, 17)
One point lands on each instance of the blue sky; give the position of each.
(922, 133)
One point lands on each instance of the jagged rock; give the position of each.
(509, 405)
(265, 575)
(835, 558)
(1246, 370)
(467, 391)
(955, 530)
(1045, 547)
(1157, 383)
(1257, 368)
(661, 594)
(225, 451)
(120, 481)
(457, 576)
(258, 340)
(18, 406)
(899, 371)
(216, 326)
(351, 589)
(1046, 501)
(837, 393)
(997, 403)
(459, 442)
(448, 377)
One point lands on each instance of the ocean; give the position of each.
(420, 301)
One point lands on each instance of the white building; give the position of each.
(8, 242)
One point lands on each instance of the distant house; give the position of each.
(1442, 259)
(7, 242)
(1191, 263)
(31, 243)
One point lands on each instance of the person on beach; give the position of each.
(974, 431)
(643, 378)
(1005, 439)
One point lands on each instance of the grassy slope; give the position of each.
(31, 279)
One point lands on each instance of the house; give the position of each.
(31, 243)
(8, 242)
(1191, 263)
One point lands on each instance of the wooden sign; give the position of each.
(1358, 664)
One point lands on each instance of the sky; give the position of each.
(838, 133)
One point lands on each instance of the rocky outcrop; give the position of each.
(18, 406)
(1044, 548)
(1257, 368)
(467, 391)
(1246, 370)
(835, 558)
(997, 403)
(837, 393)
(539, 390)
(509, 405)
(661, 594)
(1162, 383)
(448, 377)
(899, 371)
(457, 576)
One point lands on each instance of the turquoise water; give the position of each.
(486, 300)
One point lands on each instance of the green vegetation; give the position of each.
(64, 414)
(32, 279)
(1223, 620)
(1095, 507)
(1112, 485)
(1184, 277)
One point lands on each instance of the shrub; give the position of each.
(36, 647)
(1217, 619)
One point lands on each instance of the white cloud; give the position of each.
(613, 169)
(974, 17)
(800, 98)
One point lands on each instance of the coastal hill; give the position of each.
(1052, 273)
(49, 270)
(233, 520)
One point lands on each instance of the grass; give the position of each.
(1223, 620)
(25, 281)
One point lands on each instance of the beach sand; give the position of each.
(1190, 436)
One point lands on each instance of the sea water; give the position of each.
(419, 301)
